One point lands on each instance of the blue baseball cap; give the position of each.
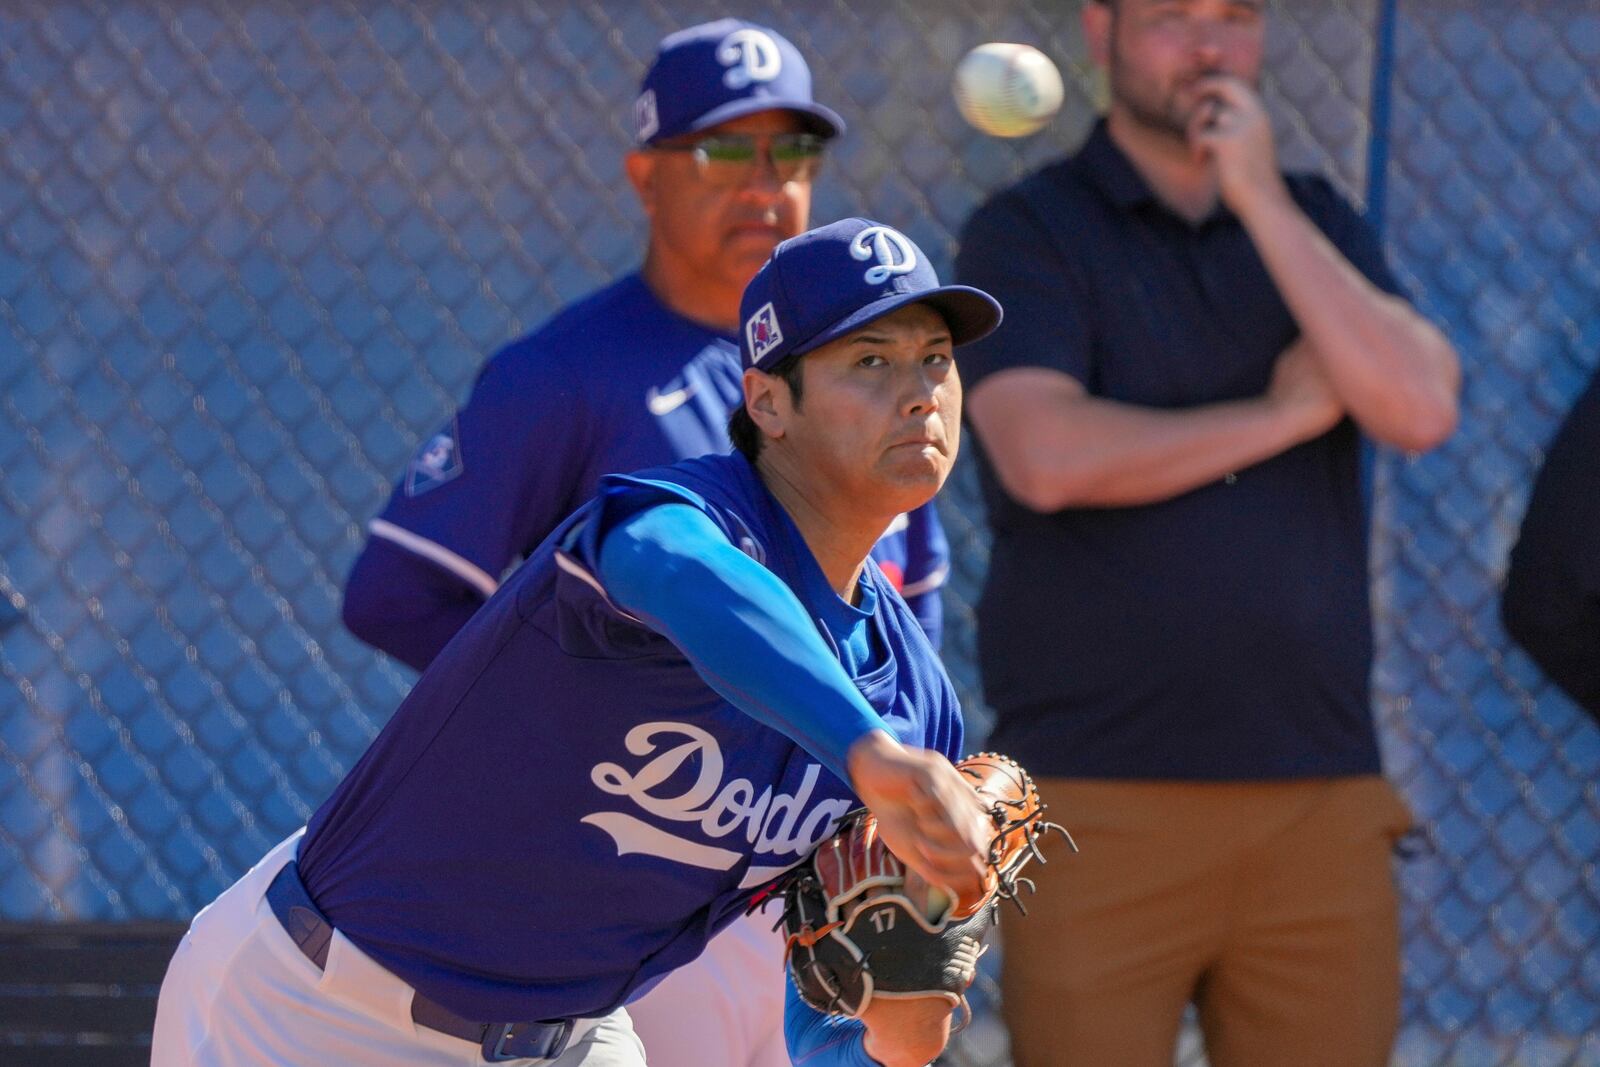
(826, 282)
(719, 71)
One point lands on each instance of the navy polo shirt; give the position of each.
(1226, 633)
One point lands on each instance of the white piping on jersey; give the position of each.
(926, 585)
(574, 568)
(459, 566)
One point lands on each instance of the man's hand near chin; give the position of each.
(906, 1033)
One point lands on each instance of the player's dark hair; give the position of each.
(742, 429)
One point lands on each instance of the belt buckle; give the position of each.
(504, 1042)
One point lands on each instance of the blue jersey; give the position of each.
(562, 810)
(616, 382)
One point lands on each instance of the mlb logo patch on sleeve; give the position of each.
(437, 461)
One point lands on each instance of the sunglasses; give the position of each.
(729, 159)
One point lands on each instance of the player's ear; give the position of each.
(766, 398)
(1097, 31)
(641, 170)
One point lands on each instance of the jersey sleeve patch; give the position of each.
(437, 461)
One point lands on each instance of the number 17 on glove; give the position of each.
(854, 930)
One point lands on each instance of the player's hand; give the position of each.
(1301, 390)
(1230, 128)
(928, 814)
(906, 1033)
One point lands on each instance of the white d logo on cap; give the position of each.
(892, 249)
(646, 120)
(750, 56)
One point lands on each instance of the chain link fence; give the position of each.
(250, 253)
(1493, 218)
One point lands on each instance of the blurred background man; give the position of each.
(1175, 628)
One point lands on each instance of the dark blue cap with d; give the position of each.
(721, 70)
(827, 282)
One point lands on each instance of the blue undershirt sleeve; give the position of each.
(818, 1040)
(740, 626)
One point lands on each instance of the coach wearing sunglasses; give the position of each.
(639, 374)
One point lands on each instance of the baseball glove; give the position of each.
(854, 933)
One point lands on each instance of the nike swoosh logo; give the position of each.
(666, 403)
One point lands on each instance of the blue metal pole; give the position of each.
(1382, 94)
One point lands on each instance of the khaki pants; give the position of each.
(1270, 905)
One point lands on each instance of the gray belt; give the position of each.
(313, 933)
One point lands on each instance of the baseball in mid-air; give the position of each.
(1007, 90)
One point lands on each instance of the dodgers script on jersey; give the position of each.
(556, 734)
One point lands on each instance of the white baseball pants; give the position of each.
(725, 1009)
(239, 993)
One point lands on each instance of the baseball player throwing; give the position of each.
(658, 715)
(644, 372)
